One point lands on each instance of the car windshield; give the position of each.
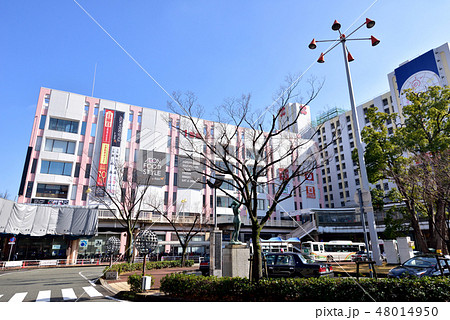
(421, 262)
(304, 260)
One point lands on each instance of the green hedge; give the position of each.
(128, 267)
(198, 288)
(135, 282)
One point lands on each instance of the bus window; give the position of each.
(315, 247)
(321, 248)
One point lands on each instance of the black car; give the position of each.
(420, 266)
(204, 266)
(290, 264)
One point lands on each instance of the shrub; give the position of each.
(198, 288)
(135, 282)
(128, 267)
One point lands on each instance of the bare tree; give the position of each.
(185, 227)
(5, 195)
(125, 201)
(251, 150)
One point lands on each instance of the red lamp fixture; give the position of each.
(374, 40)
(321, 59)
(350, 57)
(312, 45)
(369, 23)
(336, 25)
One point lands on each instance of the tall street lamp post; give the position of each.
(365, 181)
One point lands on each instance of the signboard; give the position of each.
(13, 264)
(52, 202)
(48, 262)
(310, 192)
(56, 247)
(98, 243)
(83, 243)
(284, 174)
(12, 240)
(151, 168)
(112, 179)
(309, 176)
(105, 148)
(189, 175)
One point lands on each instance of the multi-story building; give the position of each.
(79, 143)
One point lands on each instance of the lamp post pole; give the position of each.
(362, 167)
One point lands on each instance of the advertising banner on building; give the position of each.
(105, 148)
(310, 192)
(151, 168)
(189, 175)
(114, 160)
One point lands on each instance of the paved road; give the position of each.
(53, 285)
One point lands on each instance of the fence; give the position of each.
(46, 263)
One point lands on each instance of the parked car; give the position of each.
(360, 256)
(290, 264)
(420, 266)
(204, 266)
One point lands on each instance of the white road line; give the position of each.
(18, 297)
(92, 292)
(1, 295)
(115, 299)
(91, 282)
(68, 294)
(44, 296)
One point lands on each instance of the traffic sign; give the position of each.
(12, 240)
(83, 243)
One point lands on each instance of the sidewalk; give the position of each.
(116, 286)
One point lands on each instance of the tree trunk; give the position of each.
(128, 251)
(420, 239)
(257, 254)
(183, 254)
(440, 225)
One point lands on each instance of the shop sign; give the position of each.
(83, 243)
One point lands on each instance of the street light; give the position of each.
(215, 183)
(365, 182)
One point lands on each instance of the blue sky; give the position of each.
(216, 49)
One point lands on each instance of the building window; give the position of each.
(130, 116)
(347, 118)
(80, 148)
(174, 198)
(29, 189)
(326, 197)
(386, 186)
(138, 136)
(83, 128)
(178, 124)
(125, 174)
(42, 123)
(139, 119)
(175, 179)
(170, 124)
(352, 144)
(54, 167)
(135, 154)
(93, 129)
(63, 125)
(33, 166)
(177, 142)
(340, 185)
(47, 99)
(341, 195)
(60, 146)
(330, 188)
(339, 176)
(350, 135)
(96, 108)
(87, 172)
(76, 174)
(129, 135)
(261, 204)
(73, 195)
(169, 141)
(390, 130)
(176, 161)
(166, 198)
(37, 147)
(347, 194)
(85, 193)
(91, 149)
(349, 127)
(385, 102)
(346, 184)
(357, 181)
(52, 191)
(86, 108)
(127, 154)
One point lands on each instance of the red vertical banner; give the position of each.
(309, 176)
(105, 149)
(310, 192)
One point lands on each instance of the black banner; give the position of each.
(47, 201)
(117, 129)
(151, 168)
(189, 175)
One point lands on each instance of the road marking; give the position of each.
(68, 294)
(92, 292)
(44, 296)
(18, 297)
(91, 282)
(1, 295)
(115, 299)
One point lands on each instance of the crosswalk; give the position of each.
(67, 294)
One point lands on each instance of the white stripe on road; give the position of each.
(68, 294)
(92, 292)
(18, 297)
(91, 282)
(1, 296)
(44, 296)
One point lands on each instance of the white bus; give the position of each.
(332, 250)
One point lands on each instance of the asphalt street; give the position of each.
(74, 284)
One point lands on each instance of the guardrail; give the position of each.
(46, 263)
